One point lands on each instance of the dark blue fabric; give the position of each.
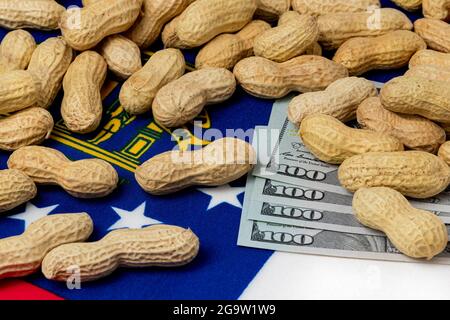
(222, 270)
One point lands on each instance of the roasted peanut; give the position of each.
(416, 233)
(322, 7)
(23, 254)
(18, 90)
(16, 188)
(430, 57)
(122, 55)
(84, 28)
(219, 163)
(16, 50)
(158, 245)
(182, 100)
(332, 141)
(336, 28)
(155, 14)
(267, 79)
(436, 33)
(205, 19)
(226, 50)
(271, 9)
(138, 92)
(436, 9)
(414, 132)
(88, 178)
(24, 128)
(390, 51)
(444, 152)
(415, 174)
(48, 65)
(293, 35)
(82, 105)
(409, 5)
(339, 100)
(37, 14)
(431, 72)
(426, 98)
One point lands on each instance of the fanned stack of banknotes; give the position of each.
(294, 202)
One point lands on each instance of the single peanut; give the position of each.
(270, 10)
(226, 50)
(15, 50)
(23, 254)
(390, 51)
(416, 233)
(409, 5)
(340, 100)
(16, 188)
(37, 14)
(267, 79)
(18, 90)
(430, 57)
(205, 19)
(48, 65)
(322, 7)
(414, 132)
(24, 128)
(138, 92)
(336, 28)
(423, 97)
(218, 163)
(431, 72)
(84, 28)
(444, 152)
(154, 246)
(82, 105)
(415, 174)
(155, 14)
(332, 141)
(293, 35)
(88, 178)
(182, 100)
(436, 9)
(122, 55)
(436, 33)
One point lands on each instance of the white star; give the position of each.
(33, 213)
(223, 194)
(134, 219)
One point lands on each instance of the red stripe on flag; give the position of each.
(21, 290)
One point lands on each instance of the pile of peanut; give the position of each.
(270, 48)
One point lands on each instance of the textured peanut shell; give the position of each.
(332, 141)
(182, 100)
(48, 65)
(430, 72)
(23, 254)
(18, 90)
(427, 98)
(430, 57)
(416, 233)
(169, 35)
(267, 79)
(270, 10)
(88, 178)
(436, 9)
(415, 174)
(336, 28)
(205, 19)
(82, 105)
(444, 152)
(226, 50)
(414, 132)
(436, 33)
(339, 100)
(218, 163)
(16, 188)
(322, 7)
(315, 49)
(121, 54)
(36, 14)
(84, 28)
(409, 5)
(24, 128)
(16, 49)
(390, 51)
(138, 92)
(154, 246)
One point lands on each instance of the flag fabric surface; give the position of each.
(222, 270)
